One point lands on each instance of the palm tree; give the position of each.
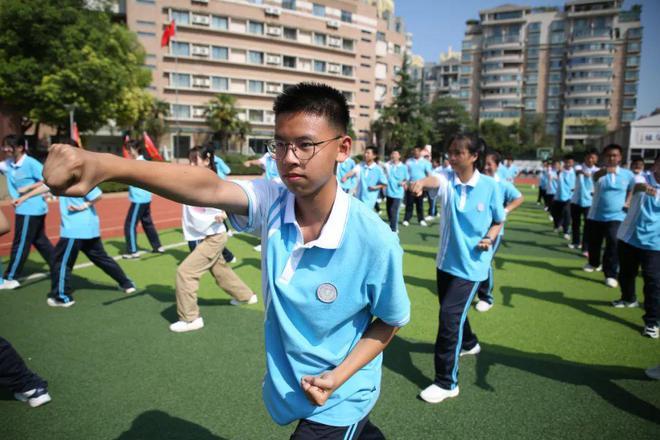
(222, 117)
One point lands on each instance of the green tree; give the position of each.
(222, 117)
(448, 117)
(500, 137)
(55, 53)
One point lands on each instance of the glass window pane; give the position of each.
(218, 22)
(220, 53)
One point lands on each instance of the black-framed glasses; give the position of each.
(303, 150)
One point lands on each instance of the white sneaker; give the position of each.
(653, 372)
(133, 256)
(10, 285)
(405, 223)
(428, 218)
(474, 350)
(183, 326)
(130, 290)
(435, 394)
(230, 233)
(56, 303)
(621, 304)
(611, 282)
(589, 268)
(34, 397)
(253, 300)
(571, 246)
(233, 260)
(550, 218)
(567, 236)
(651, 331)
(160, 250)
(257, 248)
(423, 223)
(483, 306)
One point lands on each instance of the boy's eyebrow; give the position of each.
(299, 138)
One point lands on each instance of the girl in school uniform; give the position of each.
(206, 234)
(472, 213)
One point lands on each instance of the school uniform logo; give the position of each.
(326, 293)
(481, 207)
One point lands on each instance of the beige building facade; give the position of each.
(255, 49)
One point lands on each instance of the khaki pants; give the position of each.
(206, 256)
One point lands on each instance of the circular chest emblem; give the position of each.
(480, 207)
(326, 293)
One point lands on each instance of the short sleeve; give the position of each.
(37, 170)
(261, 195)
(443, 184)
(383, 177)
(497, 206)
(387, 290)
(512, 193)
(93, 194)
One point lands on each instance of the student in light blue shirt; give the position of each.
(24, 175)
(551, 191)
(581, 200)
(397, 179)
(371, 178)
(639, 245)
(334, 294)
(508, 171)
(347, 185)
(139, 211)
(542, 182)
(418, 168)
(223, 171)
(221, 168)
(611, 184)
(561, 208)
(512, 199)
(472, 212)
(268, 164)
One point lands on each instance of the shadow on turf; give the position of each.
(600, 378)
(160, 425)
(583, 305)
(567, 271)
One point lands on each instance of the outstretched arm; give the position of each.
(71, 171)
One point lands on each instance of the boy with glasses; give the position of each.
(332, 277)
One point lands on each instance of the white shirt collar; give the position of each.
(333, 230)
(496, 177)
(19, 162)
(472, 182)
(373, 165)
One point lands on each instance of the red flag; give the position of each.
(152, 151)
(124, 148)
(76, 135)
(168, 32)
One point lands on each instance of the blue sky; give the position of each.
(438, 24)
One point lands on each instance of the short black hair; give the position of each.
(568, 157)
(591, 151)
(636, 159)
(613, 147)
(13, 141)
(373, 150)
(497, 158)
(315, 99)
(474, 144)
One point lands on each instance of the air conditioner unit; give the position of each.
(273, 88)
(275, 31)
(200, 51)
(201, 19)
(333, 24)
(273, 11)
(198, 112)
(334, 42)
(334, 68)
(202, 82)
(273, 59)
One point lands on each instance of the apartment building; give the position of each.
(441, 78)
(254, 49)
(573, 65)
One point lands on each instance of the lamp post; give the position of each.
(71, 108)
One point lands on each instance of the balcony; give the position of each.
(591, 34)
(504, 40)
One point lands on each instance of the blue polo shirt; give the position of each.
(468, 212)
(565, 185)
(139, 195)
(369, 175)
(221, 167)
(543, 179)
(641, 227)
(552, 183)
(79, 224)
(22, 173)
(418, 168)
(319, 298)
(508, 193)
(508, 173)
(610, 195)
(270, 167)
(344, 168)
(584, 186)
(396, 174)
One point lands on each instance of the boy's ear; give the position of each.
(345, 145)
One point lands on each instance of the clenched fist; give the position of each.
(70, 171)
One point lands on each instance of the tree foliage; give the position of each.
(222, 117)
(55, 53)
(448, 117)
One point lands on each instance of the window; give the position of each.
(288, 61)
(180, 49)
(634, 33)
(632, 75)
(318, 10)
(180, 17)
(380, 36)
(530, 104)
(256, 2)
(632, 61)
(290, 33)
(533, 39)
(554, 90)
(534, 27)
(554, 77)
(346, 16)
(181, 111)
(630, 89)
(181, 145)
(320, 39)
(553, 104)
(347, 70)
(153, 23)
(629, 102)
(256, 115)
(255, 57)
(397, 49)
(221, 23)
(256, 27)
(146, 34)
(347, 44)
(219, 53)
(180, 80)
(319, 66)
(219, 83)
(634, 46)
(255, 86)
(289, 4)
(530, 90)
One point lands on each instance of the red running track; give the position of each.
(112, 209)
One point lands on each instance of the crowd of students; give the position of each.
(332, 275)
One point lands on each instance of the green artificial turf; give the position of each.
(557, 361)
